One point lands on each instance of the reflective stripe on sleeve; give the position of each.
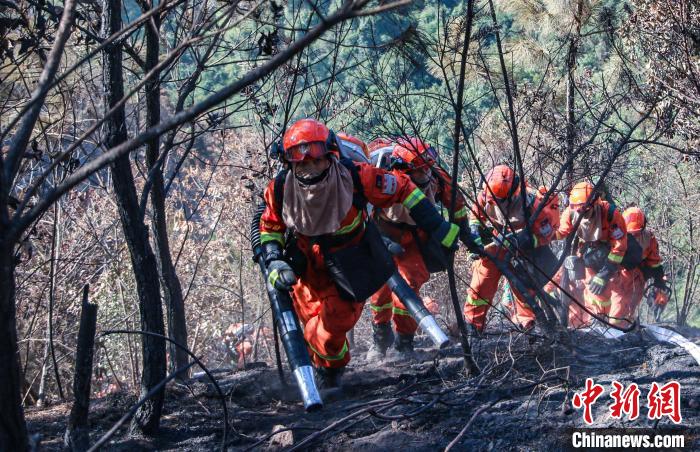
(615, 258)
(414, 198)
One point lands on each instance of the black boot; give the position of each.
(382, 338)
(404, 345)
(328, 381)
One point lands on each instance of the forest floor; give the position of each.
(521, 401)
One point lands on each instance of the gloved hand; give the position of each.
(393, 247)
(471, 239)
(600, 280)
(447, 235)
(521, 240)
(475, 232)
(280, 275)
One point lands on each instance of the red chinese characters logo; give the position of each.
(662, 401)
(665, 401)
(587, 398)
(625, 401)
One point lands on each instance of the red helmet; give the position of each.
(353, 142)
(501, 183)
(635, 219)
(306, 138)
(579, 195)
(414, 153)
(379, 143)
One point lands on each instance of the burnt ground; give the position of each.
(521, 401)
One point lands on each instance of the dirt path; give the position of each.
(521, 401)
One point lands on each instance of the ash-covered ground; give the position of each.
(521, 400)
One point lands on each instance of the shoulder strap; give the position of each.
(278, 190)
(358, 198)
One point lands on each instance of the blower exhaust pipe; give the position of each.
(418, 311)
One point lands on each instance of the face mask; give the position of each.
(311, 179)
(421, 179)
(310, 174)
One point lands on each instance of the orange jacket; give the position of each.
(544, 227)
(380, 188)
(650, 254)
(614, 230)
(443, 195)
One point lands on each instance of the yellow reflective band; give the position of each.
(461, 213)
(383, 307)
(657, 265)
(451, 236)
(351, 227)
(599, 280)
(615, 258)
(474, 221)
(272, 277)
(603, 303)
(337, 357)
(414, 198)
(477, 302)
(445, 213)
(271, 237)
(536, 241)
(399, 311)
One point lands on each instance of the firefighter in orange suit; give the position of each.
(500, 206)
(314, 230)
(650, 266)
(418, 160)
(603, 244)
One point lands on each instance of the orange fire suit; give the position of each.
(485, 274)
(325, 315)
(609, 230)
(635, 283)
(386, 305)
(578, 317)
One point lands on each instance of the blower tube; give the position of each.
(288, 325)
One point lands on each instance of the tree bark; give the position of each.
(147, 418)
(77, 437)
(570, 110)
(13, 429)
(172, 290)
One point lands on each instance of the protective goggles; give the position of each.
(427, 158)
(297, 153)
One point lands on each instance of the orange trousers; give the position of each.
(483, 287)
(632, 297)
(578, 317)
(612, 301)
(386, 305)
(326, 317)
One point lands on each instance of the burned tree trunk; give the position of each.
(13, 429)
(147, 419)
(172, 290)
(77, 437)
